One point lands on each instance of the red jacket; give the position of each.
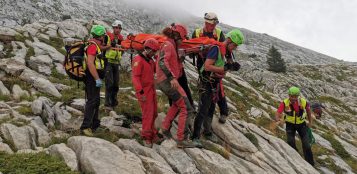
(112, 37)
(168, 64)
(143, 73)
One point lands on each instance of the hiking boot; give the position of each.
(185, 144)
(87, 132)
(147, 143)
(197, 143)
(165, 133)
(212, 137)
(222, 119)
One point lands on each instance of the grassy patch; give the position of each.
(128, 107)
(25, 110)
(30, 52)
(57, 140)
(10, 82)
(5, 98)
(256, 84)
(340, 150)
(312, 72)
(330, 164)
(55, 74)
(224, 152)
(67, 95)
(8, 50)
(124, 79)
(252, 138)
(341, 76)
(109, 136)
(32, 163)
(19, 37)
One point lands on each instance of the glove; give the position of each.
(227, 66)
(235, 66)
(98, 83)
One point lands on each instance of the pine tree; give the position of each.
(274, 60)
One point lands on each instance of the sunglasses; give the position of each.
(117, 28)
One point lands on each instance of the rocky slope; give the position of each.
(41, 109)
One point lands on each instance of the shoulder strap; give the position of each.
(98, 48)
(218, 33)
(303, 102)
(286, 102)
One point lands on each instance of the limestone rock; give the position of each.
(66, 154)
(41, 131)
(5, 148)
(22, 137)
(135, 147)
(3, 90)
(179, 161)
(17, 92)
(99, 156)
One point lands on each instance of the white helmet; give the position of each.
(117, 23)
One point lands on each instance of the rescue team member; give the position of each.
(143, 70)
(296, 109)
(113, 57)
(94, 72)
(169, 69)
(212, 72)
(211, 31)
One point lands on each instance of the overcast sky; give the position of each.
(326, 26)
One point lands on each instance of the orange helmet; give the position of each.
(152, 44)
(180, 29)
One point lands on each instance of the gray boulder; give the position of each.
(5, 148)
(66, 154)
(155, 167)
(78, 104)
(99, 156)
(135, 147)
(17, 92)
(41, 63)
(22, 137)
(40, 83)
(72, 28)
(232, 136)
(179, 161)
(43, 137)
(3, 90)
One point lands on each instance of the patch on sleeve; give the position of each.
(136, 64)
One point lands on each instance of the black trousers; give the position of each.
(302, 130)
(91, 109)
(111, 84)
(206, 109)
(222, 102)
(184, 84)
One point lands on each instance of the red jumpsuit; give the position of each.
(143, 70)
(169, 67)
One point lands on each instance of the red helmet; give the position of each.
(180, 29)
(152, 44)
